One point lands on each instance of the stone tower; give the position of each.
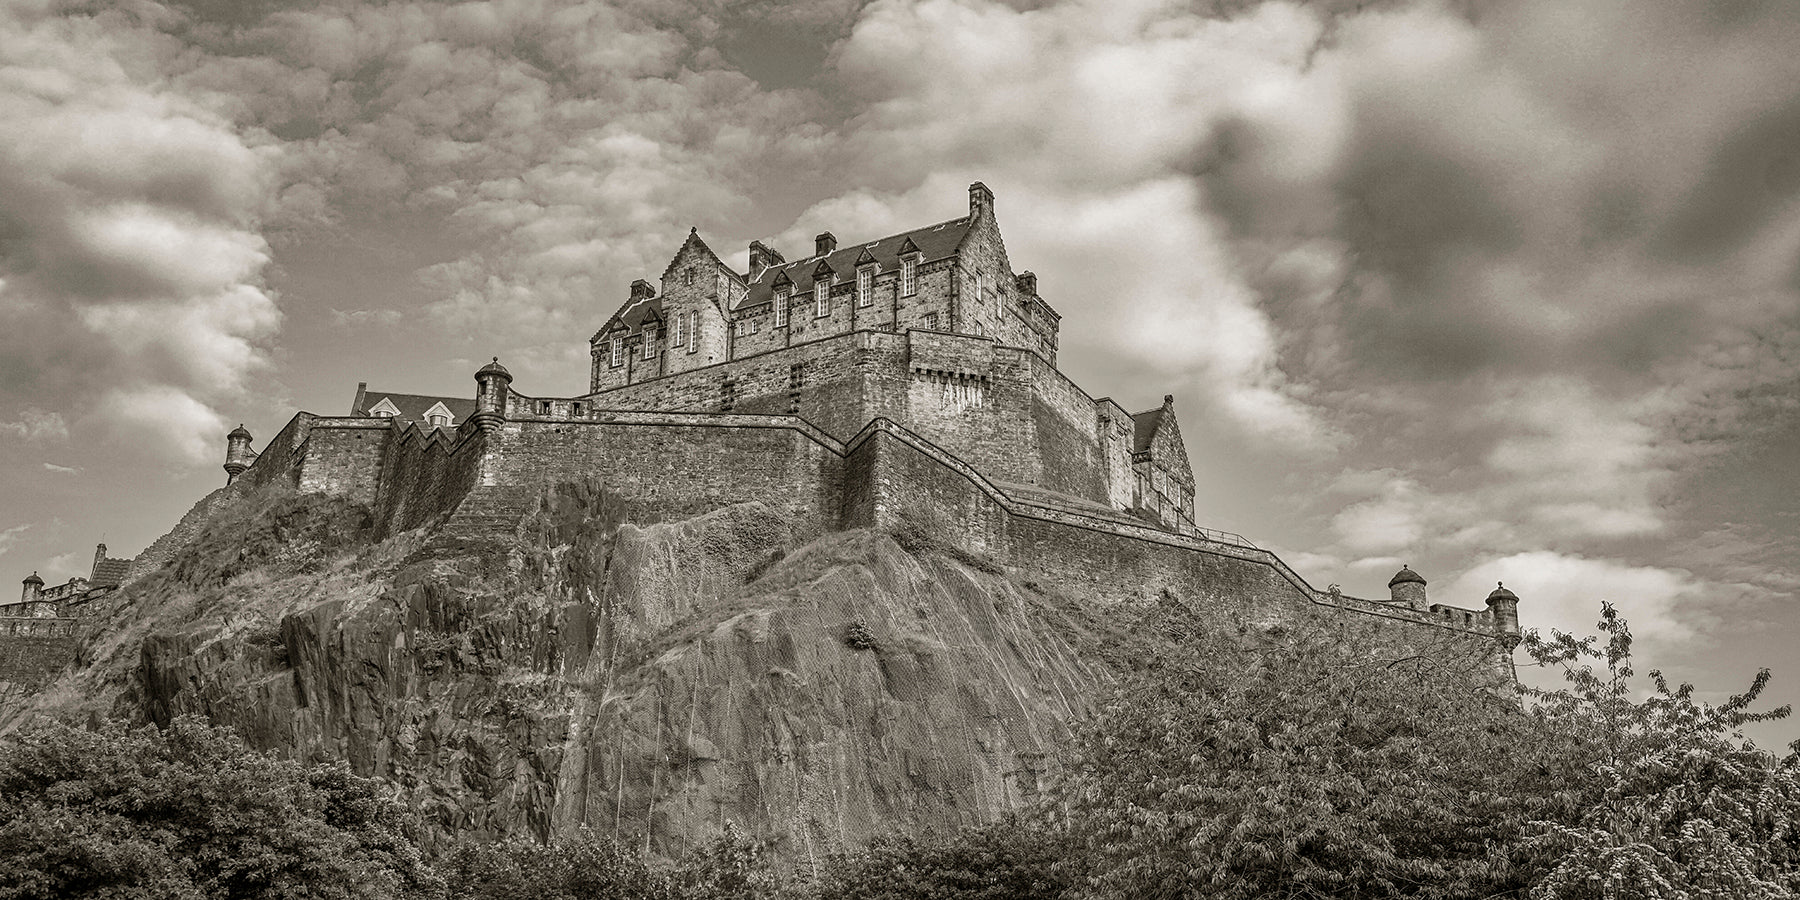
(1408, 587)
(238, 456)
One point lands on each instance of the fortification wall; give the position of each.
(425, 475)
(673, 466)
(33, 650)
(164, 548)
(343, 456)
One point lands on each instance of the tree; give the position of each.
(192, 813)
(1680, 805)
(1319, 763)
(1009, 860)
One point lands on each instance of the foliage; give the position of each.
(1316, 765)
(192, 813)
(590, 866)
(1006, 861)
(1679, 804)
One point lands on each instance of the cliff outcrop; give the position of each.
(575, 667)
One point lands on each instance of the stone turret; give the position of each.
(1503, 605)
(492, 382)
(33, 586)
(238, 457)
(1408, 587)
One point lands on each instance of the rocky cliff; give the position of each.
(579, 666)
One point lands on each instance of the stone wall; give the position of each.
(32, 651)
(343, 456)
(425, 475)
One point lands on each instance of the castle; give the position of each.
(909, 381)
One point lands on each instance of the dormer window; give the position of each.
(649, 341)
(783, 296)
(385, 409)
(865, 285)
(438, 416)
(909, 276)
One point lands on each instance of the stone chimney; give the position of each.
(762, 259)
(1408, 588)
(824, 243)
(642, 290)
(980, 199)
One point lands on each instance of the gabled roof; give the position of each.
(931, 242)
(1143, 428)
(634, 314)
(414, 406)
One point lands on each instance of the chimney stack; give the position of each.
(824, 243)
(980, 199)
(641, 290)
(1027, 283)
(762, 259)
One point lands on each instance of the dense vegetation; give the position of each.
(1303, 767)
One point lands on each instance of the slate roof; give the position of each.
(1143, 428)
(933, 242)
(110, 572)
(413, 406)
(635, 313)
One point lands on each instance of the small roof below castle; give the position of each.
(412, 407)
(239, 432)
(110, 572)
(933, 242)
(1405, 575)
(1501, 593)
(33, 579)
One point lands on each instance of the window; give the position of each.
(782, 299)
(438, 421)
(575, 409)
(746, 327)
(675, 333)
(693, 330)
(909, 276)
(687, 277)
(822, 297)
(618, 351)
(931, 320)
(649, 341)
(865, 285)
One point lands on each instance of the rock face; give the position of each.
(577, 668)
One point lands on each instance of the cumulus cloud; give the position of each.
(1564, 592)
(37, 425)
(129, 243)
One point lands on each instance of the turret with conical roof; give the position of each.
(1408, 587)
(492, 383)
(238, 455)
(1503, 605)
(33, 586)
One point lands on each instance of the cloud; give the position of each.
(1665, 606)
(10, 536)
(61, 470)
(37, 425)
(130, 250)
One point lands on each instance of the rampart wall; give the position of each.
(33, 650)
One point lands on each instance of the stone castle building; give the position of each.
(908, 381)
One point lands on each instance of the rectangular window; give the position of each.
(822, 298)
(544, 408)
(675, 330)
(909, 277)
(781, 307)
(865, 286)
(693, 330)
(575, 409)
(618, 351)
(931, 320)
(649, 341)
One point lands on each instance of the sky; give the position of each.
(1506, 291)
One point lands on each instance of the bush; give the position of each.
(191, 812)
